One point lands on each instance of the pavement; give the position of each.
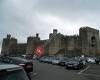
(45, 71)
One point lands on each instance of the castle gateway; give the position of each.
(87, 43)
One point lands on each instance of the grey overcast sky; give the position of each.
(23, 18)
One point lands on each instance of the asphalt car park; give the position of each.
(45, 71)
(92, 72)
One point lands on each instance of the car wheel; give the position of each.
(80, 67)
(97, 62)
(66, 67)
(62, 64)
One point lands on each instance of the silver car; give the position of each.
(12, 72)
(56, 60)
(75, 64)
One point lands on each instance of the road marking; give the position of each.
(31, 73)
(34, 74)
(94, 69)
(90, 74)
(83, 70)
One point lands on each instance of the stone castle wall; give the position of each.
(10, 46)
(90, 43)
(87, 43)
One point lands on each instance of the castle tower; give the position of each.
(5, 45)
(12, 46)
(89, 38)
(31, 44)
(8, 45)
(54, 31)
(8, 36)
(55, 40)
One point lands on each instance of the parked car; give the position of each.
(50, 58)
(91, 59)
(63, 61)
(97, 60)
(46, 59)
(42, 59)
(26, 64)
(12, 72)
(56, 60)
(75, 63)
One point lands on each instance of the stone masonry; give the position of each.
(86, 43)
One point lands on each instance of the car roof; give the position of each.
(4, 66)
(19, 58)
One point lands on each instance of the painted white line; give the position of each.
(94, 70)
(83, 70)
(34, 74)
(90, 74)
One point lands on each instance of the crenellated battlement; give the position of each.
(86, 42)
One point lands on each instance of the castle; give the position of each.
(86, 43)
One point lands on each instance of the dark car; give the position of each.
(63, 61)
(46, 59)
(75, 64)
(42, 59)
(97, 60)
(26, 64)
(12, 72)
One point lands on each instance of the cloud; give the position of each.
(23, 18)
(17, 17)
(65, 7)
(75, 11)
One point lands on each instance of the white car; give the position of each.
(91, 60)
(56, 60)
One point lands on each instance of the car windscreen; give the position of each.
(19, 59)
(73, 59)
(56, 58)
(13, 75)
(65, 59)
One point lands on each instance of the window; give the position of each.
(93, 41)
(13, 75)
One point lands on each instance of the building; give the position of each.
(90, 42)
(12, 47)
(86, 43)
